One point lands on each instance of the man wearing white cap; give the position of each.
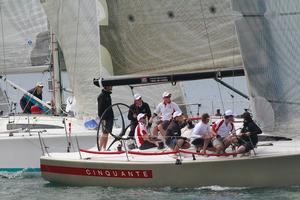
(25, 102)
(173, 133)
(143, 140)
(164, 110)
(221, 131)
(139, 106)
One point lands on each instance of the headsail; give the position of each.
(76, 27)
(269, 33)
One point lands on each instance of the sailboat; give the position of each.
(260, 36)
(28, 47)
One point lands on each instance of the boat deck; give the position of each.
(264, 149)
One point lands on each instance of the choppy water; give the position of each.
(30, 186)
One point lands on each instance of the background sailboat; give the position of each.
(26, 48)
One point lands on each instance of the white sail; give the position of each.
(4, 104)
(24, 37)
(75, 25)
(155, 37)
(269, 33)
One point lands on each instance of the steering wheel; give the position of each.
(124, 128)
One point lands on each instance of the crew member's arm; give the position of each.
(101, 107)
(130, 115)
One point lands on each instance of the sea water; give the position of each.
(30, 186)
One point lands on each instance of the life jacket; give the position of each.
(36, 110)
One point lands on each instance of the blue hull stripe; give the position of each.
(20, 169)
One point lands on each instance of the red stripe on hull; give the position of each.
(111, 173)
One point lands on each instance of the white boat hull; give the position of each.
(267, 168)
(22, 150)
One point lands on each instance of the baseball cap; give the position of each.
(39, 84)
(166, 94)
(140, 116)
(246, 115)
(229, 113)
(177, 114)
(137, 96)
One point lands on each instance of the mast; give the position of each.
(56, 75)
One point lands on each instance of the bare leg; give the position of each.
(103, 141)
(241, 149)
(207, 139)
(155, 131)
(161, 130)
(181, 144)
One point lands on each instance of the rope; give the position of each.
(3, 45)
(210, 49)
(157, 153)
(76, 46)
(218, 84)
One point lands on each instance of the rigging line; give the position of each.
(206, 30)
(2, 32)
(218, 84)
(210, 49)
(76, 45)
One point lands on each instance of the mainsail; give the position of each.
(155, 37)
(166, 37)
(269, 33)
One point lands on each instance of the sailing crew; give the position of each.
(106, 115)
(164, 111)
(248, 139)
(201, 135)
(173, 133)
(25, 101)
(143, 140)
(221, 132)
(139, 106)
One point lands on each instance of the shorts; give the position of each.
(147, 145)
(107, 126)
(217, 141)
(248, 146)
(199, 142)
(165, 124)
(171, 142)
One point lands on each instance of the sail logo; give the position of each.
(119, 173)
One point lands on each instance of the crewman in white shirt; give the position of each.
(163, 112)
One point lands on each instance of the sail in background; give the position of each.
(4, 104)
(269, 35)
(24, 37)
